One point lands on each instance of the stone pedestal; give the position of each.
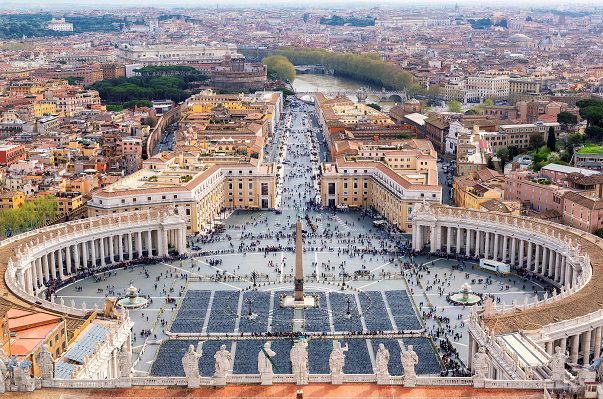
(410, 382)
(479, 382)
(220, 381)
(337, 378)
(266, 378)
(383, 379)
(193, 382)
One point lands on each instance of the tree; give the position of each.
(595, 133)
(150, 121)
(490, 164)
(488, 102)
(536, 141)
(374, 106)
(279, 68)
(504, 155)
(599, 232)
(551, 139)
(455, 106)
(566, 119)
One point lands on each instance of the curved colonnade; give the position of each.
(570, 260)
(66, 250)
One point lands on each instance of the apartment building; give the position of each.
(494, 87)
(363, 184)
(199, 191)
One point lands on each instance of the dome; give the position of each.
(519, 38)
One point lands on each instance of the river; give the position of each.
(329, 83)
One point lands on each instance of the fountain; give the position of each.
(132, 300)
(465, 296)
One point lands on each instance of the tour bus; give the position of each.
(495, 266)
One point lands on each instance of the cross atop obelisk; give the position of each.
(299, 267)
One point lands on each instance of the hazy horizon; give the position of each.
(71, 4)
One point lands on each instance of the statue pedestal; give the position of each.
(219, 380)
(193, 382)
(266, 378)
(410, 382)
(383, 379)
(479, 382)
(301, 379)
(337, 379)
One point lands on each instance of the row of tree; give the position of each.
(33, 214)
(367, 67)
(279, 68)
(148, 87)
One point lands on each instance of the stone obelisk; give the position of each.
(299, 267)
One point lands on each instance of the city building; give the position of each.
(60, 25)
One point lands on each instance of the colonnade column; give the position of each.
(575, 348)
(149, 243)
(568, 275)
(487, 247)
(478, 242)
(586, 347)
(557, 270)
(468, 243)
(120, 247)
(139, 243)
(504, 250)
(45, 267)
(112, 248)
(76, 257)
(458, 240)
(130, 250)
(530, 256)
(521, 246)
(93, 247)
(85, 254)
(597, 343)
(537, 258)
(563, 344)
(60, 265)
(448, 238)
(495, 249)
(68, 259)
(544, 266)
(53, 265)
(101, 246)
(551, 268)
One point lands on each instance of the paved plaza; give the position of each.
(244, 269)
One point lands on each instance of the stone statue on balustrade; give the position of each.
(481, 366)
(222, 366)
(557, 365)
(190, 363)
(409, 361)
(381, 365)
(5, 380)
(299, 361)
(45, 364)
(265, 364)
(337, 362)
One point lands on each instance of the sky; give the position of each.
(63, 4)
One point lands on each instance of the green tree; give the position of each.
(488, 102)
(279, 67)
(504, 155)
(455, 106)
(551, 139)
(150, 121)
(566, 119)
(490, 164)
(374, 106)
(33, 214)
(536, 141)
(599, 232)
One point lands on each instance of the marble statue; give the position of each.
(190, 363)
(557, 365)
(265, 364)
(22, 379)
(381, 363)
(409, 360)
(337, 361)
(299, 361)
(45, 363)
(4, 375)
(481, 364)
(223, 359)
